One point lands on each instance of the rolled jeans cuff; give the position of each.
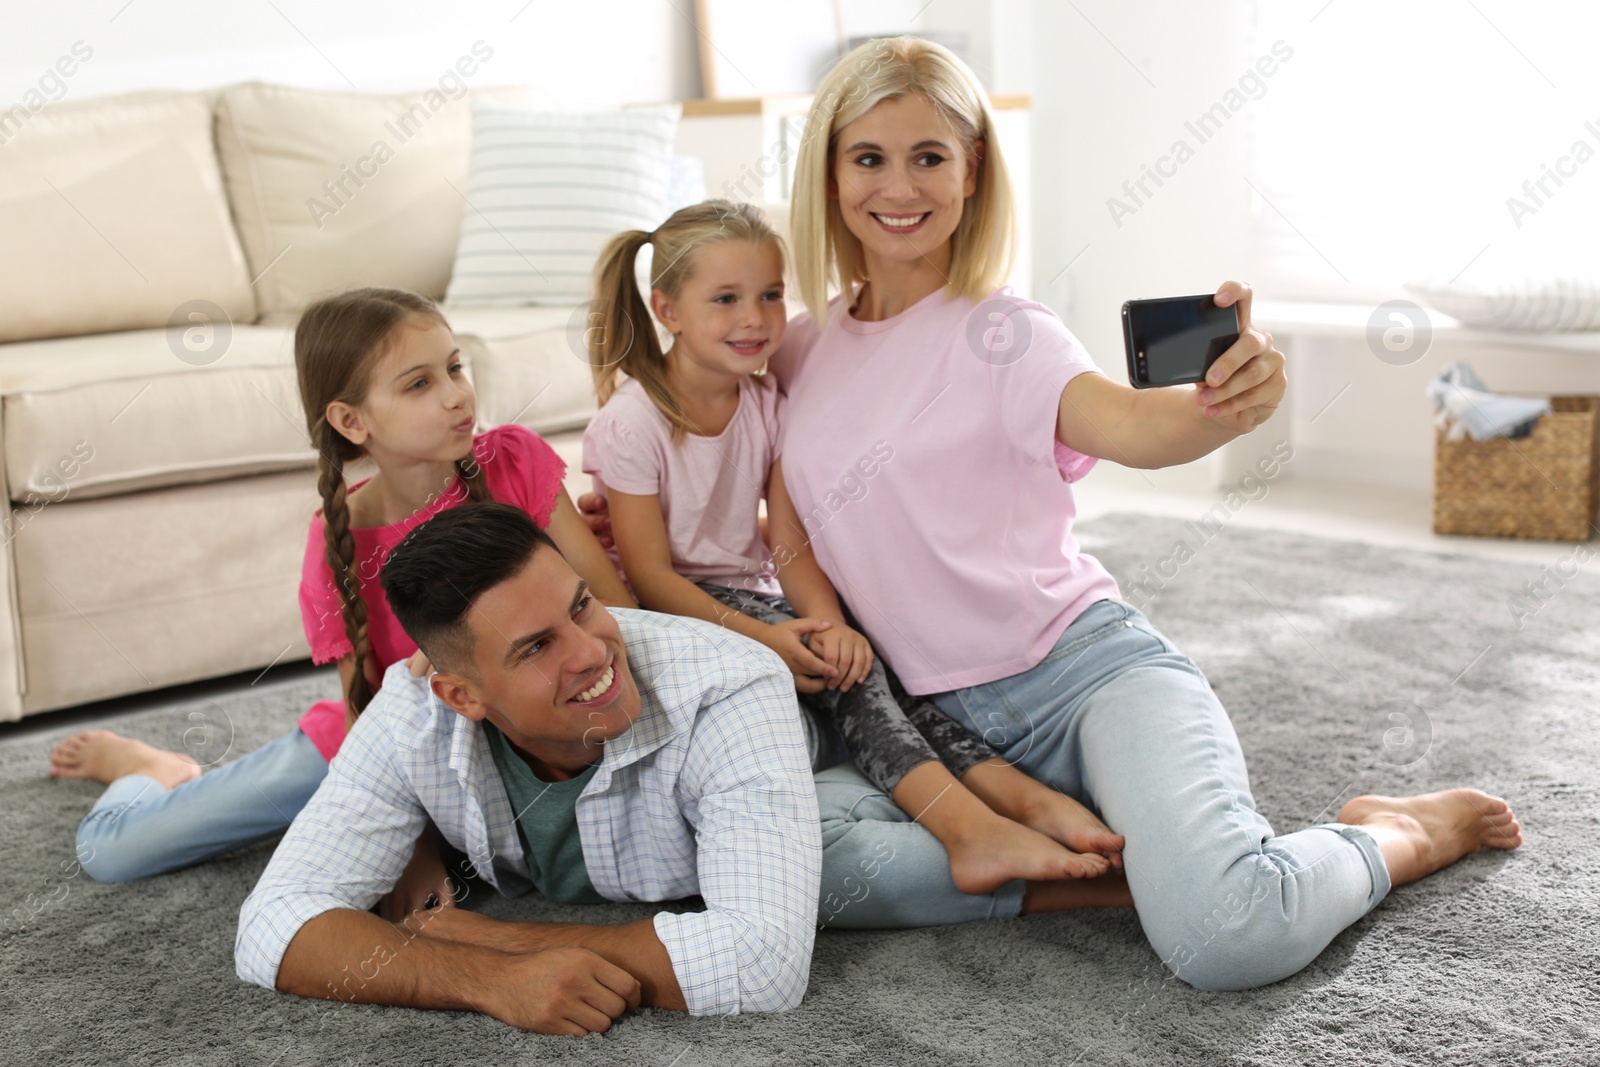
(1376, 866)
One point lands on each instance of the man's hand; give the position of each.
(559, 991)
(1247, 382)
(811, 672)
(424, 880)
(848, 652)
(458, 960)
(644, 970)
(597, 513)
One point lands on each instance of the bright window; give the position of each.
(1388, 148)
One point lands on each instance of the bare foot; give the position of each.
(1000, 850)
(1010, 792)
(1422, 834)
(1063, 819)
(105, 757)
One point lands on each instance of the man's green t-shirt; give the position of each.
(547, 823)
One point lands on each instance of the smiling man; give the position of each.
(592, 755)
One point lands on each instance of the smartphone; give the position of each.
(1174, 340)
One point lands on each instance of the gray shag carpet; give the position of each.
(1313, 645)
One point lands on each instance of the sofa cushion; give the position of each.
(134, 416)
(100, 415)
(119, 198)
(548, 190)
(527, 364)
(332, 190)
(1522, 305)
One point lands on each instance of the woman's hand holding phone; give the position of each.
(1247, 382)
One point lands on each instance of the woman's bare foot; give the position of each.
(105, 757)
(1422, 834)
(1026, 800)
(998, 850)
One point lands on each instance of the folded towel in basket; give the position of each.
(1463, 405)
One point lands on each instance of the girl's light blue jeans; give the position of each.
(1118, 718)
(138, 828)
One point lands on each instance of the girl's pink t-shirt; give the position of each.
(710, 488)
(518, 468)
(921, 455)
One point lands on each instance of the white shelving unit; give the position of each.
(1352, 417)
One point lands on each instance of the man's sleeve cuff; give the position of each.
(267, 926)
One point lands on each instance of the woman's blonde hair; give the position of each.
(336, 345)
(621, 335)
(984, 244)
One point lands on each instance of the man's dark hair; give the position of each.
(433, 576)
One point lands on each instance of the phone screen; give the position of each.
(1180, 338)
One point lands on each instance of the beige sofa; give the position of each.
(157, 249)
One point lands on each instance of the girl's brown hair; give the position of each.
(336, 345)
(621, 335)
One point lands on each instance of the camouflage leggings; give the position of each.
(885, 740)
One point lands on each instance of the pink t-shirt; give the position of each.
(518, 467)
(711, 488)
(921, 454)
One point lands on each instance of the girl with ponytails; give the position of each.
(685, 447)
(380, 378)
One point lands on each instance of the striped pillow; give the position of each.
(546, 190)
(1559, 306)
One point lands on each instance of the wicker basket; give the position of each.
(1543, 486)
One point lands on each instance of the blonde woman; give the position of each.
(961, 567)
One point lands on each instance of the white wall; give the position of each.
(1112, 86)
(1111, 95)
(595, 54)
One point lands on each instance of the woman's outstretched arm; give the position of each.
(1162, 427)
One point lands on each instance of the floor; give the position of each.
(1348, 511)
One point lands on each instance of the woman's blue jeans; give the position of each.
(1118, 718)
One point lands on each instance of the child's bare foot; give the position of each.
(986, 849)
(1422, 834)
(1000, 850)
(105, 757)
(1063, 819)
(1011, 793)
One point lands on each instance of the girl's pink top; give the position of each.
(518, 467)
(921, 455)
(710, 488)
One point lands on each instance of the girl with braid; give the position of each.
(380, 379)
